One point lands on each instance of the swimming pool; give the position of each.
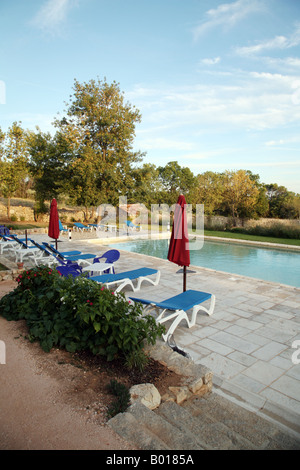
(262, 263)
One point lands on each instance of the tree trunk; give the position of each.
(8, 207)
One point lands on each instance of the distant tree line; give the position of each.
(90, 161)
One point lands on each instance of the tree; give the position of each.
(175, 180)
(146, 185)
(48, 165)
(2, 163)
(99, 130)
(240, 193)
(261, 207)
(208, 191)
(14, 157)
(291, 206)
(279, 197)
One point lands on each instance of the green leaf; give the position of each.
(97, 326)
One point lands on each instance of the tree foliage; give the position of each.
(48, 165)
(282, 203)
(240, 193)
(175, 180)
(146, 186)
(13, 161)
(208, 191)
(99, 129)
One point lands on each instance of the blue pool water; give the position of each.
(262, 263)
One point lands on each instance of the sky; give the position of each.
(217, 82)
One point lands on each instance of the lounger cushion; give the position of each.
(183, 301)
(134, 274)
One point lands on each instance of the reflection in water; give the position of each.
(262, 263)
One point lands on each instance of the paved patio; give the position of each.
(248, 341)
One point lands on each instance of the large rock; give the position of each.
(146, 394)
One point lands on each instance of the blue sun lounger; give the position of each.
(125, 278)
(61, 227)
(70, 255)
(8, 242)
(81, 227)
(179, 304)
(61, 253)
(22, 249)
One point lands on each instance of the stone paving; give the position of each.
(249, 341)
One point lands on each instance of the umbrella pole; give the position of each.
(184, 278)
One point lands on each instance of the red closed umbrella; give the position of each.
(179, 252)
(53, 228)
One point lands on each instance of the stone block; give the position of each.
(195, 385)
(181, 393)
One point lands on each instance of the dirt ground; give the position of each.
(58, 400)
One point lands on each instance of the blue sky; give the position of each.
(217, 82)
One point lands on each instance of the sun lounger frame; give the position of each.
(179, 305)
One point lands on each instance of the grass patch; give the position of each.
(25, 225)
(254, 238)
(122, 400)
(3, 268)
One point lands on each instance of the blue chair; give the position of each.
(73, 270)
(4, 230)
(110, 256)
(178, 305)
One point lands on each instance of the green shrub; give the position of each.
(79, 314)
(136, 359)
(122, 398)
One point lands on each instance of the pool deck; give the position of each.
(248, 341)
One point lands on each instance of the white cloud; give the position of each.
(278, 42)
(284, 85)
(272, 143)
(255, 102)
(52, 15)
(284, 63)
(280, 142)
(212, 61)
(227, 15)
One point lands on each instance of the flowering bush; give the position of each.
(38, 277)
(78, 314)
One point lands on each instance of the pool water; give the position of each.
(273, 265)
